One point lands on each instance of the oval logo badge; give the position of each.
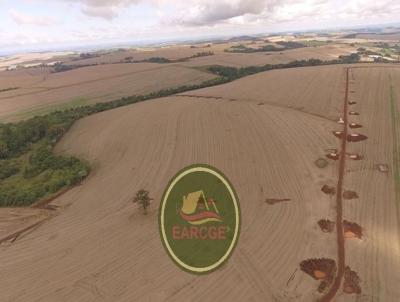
(199, 219)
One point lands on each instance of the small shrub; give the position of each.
(143, 199)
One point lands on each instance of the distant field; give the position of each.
(40, 92)
(328, 52)
(383, 37)
(26, 58)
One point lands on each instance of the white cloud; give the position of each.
(27, 19)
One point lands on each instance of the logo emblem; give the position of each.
(199, 219)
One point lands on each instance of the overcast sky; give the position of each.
(43, 24)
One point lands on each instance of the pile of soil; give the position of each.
(356, 137)
(351, 283)
(352, 102)
(354, 156)
(384, 168)
(352, 230)
(338, 134)
(326, 225)
(333, 155)
(328, 190)
(350, 194)
(353, 113)
(323, 269)
(354, 125)
(275, 200)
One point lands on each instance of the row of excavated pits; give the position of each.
(325, 269)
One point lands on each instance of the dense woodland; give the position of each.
(283, 45)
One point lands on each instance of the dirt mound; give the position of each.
(328, 190)
(354, 125)
(352, 102)
(320, 269)
(384, 168)
(356, 137)
(354, 156)
(350, 194)
(353, 113)
(321, 163)
(338, 134)
(326, 225)
(351, 283)
(276, 200)
(333, 155)
(352, 230)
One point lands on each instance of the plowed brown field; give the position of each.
(42, 90)
(265, 132)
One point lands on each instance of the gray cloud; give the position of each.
(100, 11)
(210, 12)
(106, 9)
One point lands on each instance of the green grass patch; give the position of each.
(314, 43)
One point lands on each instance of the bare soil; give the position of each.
(321, 269)
(356, 137)
(328, 190)
(326, 225)
(350, 194)
(351, 284)
(352, 229)
(272, 201)
(321, 163)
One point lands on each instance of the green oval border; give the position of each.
(227, 255)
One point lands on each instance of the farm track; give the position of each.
(339, 202)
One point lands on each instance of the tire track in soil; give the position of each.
(339, 203)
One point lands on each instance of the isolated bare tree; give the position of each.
(143, 199)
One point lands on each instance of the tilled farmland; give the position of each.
(318, 195)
